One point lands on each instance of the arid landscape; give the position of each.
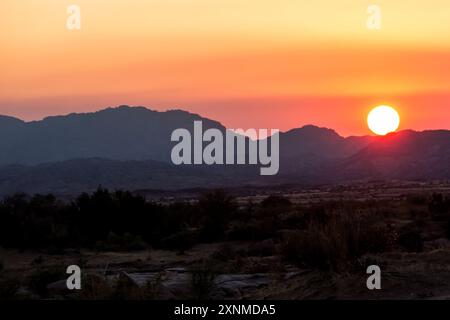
(261, 153)
(295, 244)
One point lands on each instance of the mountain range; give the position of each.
(130, 147)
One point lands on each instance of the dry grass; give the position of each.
(338, 240)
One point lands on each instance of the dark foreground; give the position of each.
(310, 244)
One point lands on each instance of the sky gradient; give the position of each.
(261, 64)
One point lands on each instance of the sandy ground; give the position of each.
(404, 275)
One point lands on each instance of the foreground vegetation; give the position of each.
(331, 237)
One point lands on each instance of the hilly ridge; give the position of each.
(129, 147)
(122, 133)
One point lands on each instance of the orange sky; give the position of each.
(263, 64)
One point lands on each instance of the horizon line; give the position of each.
(102, 109)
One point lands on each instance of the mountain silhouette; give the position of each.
(130, 147)
(308, 149)
(122, 133)
(403, 155)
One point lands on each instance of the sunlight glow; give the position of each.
(383, 120)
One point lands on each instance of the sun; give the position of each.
(383, 120)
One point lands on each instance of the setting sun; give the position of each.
(383, 120)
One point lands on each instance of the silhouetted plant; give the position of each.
(124, 242)
(438, 205)
(202, 281)
(333, 243)
(215, 208)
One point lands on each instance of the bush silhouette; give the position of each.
(215, 210)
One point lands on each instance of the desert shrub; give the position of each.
(124, 289)
(94, 287)
(318, 213)
(175, 219)
(310, 249)
(438, 204)
(338, 241)
(42, 277)
(152, 289)
(124, 242)
(215, 209)
(108, 220)
(31, 222)
(411, 241)
(376, 238)
(295, 220)
(202, 280)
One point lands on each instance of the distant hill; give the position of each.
(122, 133)
(84, 175)
(129, 147)
(403, 155)
(305, 151)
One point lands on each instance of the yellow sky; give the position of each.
(192, 52)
